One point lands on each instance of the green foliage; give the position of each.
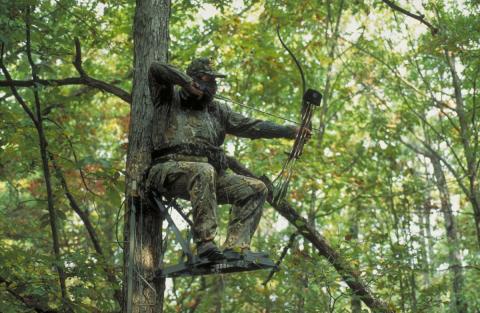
(387, 89)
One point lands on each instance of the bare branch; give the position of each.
(437, 103)
(95, 82)
(416, 149)
(455, 174)
(84, 79)
(88, 81)
(76, 208)
(114, 90)
(385, 63)
(420, 18)
(44, 82)
(438, 133)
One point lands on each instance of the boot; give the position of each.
(210, 251)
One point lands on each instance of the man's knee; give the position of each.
(203, 172)
(260, 188)
(204, 169)
(154, 179)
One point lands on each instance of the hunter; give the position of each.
(189, 128)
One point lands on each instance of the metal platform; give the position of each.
(234, 262)
(192, 265)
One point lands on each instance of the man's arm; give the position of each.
(243, 126)
(162, 77)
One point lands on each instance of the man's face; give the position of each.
(208, 84)
(207, 78)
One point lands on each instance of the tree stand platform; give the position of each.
(234, 262)
(192, 265)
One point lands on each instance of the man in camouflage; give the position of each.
(189, 128)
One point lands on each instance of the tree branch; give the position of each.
(289, 245)
(30, 301)
(77, 62)
(455, 174)
(88, 225)
(17, 96)
(74, 153)
(36, 117)
(95, 82)
(420, 18)
(84, 79)
(45, 166)
(348, 274)
(416, 149)
(75, 207)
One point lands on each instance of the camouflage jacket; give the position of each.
(175, 124)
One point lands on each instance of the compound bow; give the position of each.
(310, 99)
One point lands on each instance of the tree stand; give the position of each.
(192, 265)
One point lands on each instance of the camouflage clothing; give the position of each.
(200, 183)
(202, 66)
(188, 173)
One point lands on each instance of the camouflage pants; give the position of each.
(199, 183)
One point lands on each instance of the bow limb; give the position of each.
(306, 111)
(294, 59)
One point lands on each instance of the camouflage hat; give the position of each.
(202, 66)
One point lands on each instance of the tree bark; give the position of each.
(150, 44)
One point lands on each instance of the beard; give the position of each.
(209, 90)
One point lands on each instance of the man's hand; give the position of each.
(304, 131)
(194, 89)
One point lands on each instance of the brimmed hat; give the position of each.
(202, 66)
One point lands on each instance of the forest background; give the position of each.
(389, 178)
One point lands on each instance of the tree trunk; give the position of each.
(425, 231)
(150, 44)
(426, 242)
(469, 150)
(475, 201)
(454, 258)
(355, 303)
